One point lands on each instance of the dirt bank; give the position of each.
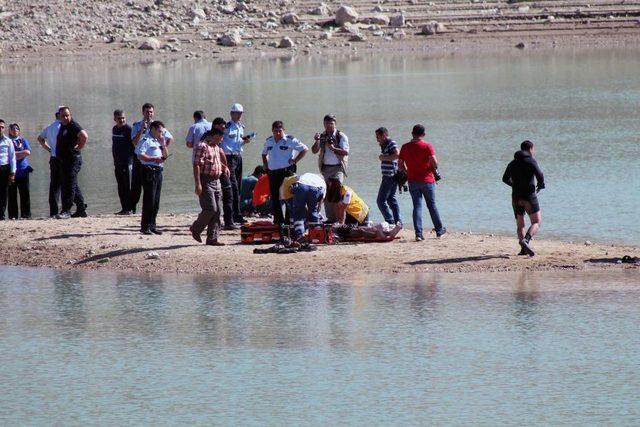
(114, 243)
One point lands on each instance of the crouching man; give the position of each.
(209, 164)
(307, 193)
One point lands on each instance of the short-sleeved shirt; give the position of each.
(209, 159)
(279, 153)
(121, 146)
(22, 165)
(416, 154)
(149, 146)
(330, 157)
(196, 130)
(7, 153)
(135, 128)
(389, 167)
(232, 141)
(50, 133)
(68, 139)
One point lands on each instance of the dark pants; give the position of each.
(123, 178)
(234, 163)
(211, 204)
(136, 184)
(4, 185)
(70, 190)
(151, 186)
(55, 168)
(276, 178)
(21, 185)
(387, 200)
(227, 199)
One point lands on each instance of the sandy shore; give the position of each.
(113, 243)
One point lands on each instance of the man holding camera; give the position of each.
(418, 159)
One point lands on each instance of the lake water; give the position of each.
(88, 348)
(580, 108)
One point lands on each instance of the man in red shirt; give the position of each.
(418, 159)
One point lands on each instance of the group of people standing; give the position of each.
(140, 151)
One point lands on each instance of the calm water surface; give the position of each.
(580, 108)
(79, 348)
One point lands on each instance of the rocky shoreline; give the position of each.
(228, 29)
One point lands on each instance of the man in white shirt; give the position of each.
(48, 140)
(333, 148)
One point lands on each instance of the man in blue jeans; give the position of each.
(418, 158)
(387, 201)
(307, 192)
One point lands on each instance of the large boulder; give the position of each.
(290, 19)
(397, 21)
(198, 12)
(346, 14)
(150, 43)
(230, 39)
(430, 28)
(321, 10)
(286, 43)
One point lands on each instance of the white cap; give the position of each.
(60, 107)
(237, 108)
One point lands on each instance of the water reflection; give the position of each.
(69, 301)
(526, 304)
(142, 305)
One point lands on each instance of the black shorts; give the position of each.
(521, 205)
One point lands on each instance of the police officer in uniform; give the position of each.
(232, 145)
(139, 131)
(280, 154)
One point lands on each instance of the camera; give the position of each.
(436, 175)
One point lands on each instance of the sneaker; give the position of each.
(526, 247)
(123, 212)
(442, 233)
(64, 215)
(240, 220)
(522, 252)
(230, 227)
(156, 231)
(146, 231)
(419, 238)
(79, 214)
(214, 243)
(195, 235)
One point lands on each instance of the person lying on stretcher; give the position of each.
(381, 231)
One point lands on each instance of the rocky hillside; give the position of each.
(193, 27)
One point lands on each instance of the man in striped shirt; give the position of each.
(387, 201)
(209, 164)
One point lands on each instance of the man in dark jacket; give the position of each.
(521, 175)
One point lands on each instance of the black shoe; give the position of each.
(522, 253)
(123, 212)
(230, 227)
(146, 231)
(526, 247)
(64, 215)
(156, 231)
(240, 220)
(195, 235)
(79, 214)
